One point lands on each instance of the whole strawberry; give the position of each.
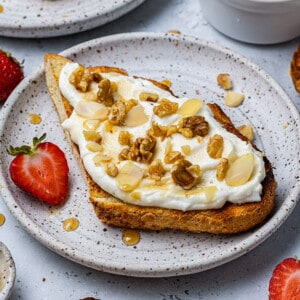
(11, 73)
(285, 281)
(41, 170)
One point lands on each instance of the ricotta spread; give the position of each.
(207, 193)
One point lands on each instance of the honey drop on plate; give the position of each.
(130, 237)
(34, 119)
(70, 224)
(2, 219)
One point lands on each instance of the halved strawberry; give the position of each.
(285, 281)
(11, 73)
(41, 170)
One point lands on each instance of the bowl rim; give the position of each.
(10, 265)
(264, 6)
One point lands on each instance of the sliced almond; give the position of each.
(91, 124)
(94, 147)
(91, 110)
(240, 170)
(186, 149)
(129, 177)
(100, 158)
(169, 146)
(190, 107)
(136, 117)
(125, 89)
(210, 192)
(234, 99)
(232, 156)
(101, 114)
(247, 131)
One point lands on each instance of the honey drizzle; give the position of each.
(130, 237)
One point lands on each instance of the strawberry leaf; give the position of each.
(26, 149)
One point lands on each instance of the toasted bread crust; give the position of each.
(232, 218)
(295, 69)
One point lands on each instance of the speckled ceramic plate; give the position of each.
(192, 66)
(48, 18)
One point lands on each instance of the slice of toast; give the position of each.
(232, 218)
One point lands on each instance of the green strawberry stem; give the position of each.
(26, 149)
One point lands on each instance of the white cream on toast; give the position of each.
(161, 160)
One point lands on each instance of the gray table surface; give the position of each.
(42, 274)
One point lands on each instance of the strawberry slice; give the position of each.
(41, 170)
(285, 281)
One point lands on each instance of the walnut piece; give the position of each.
(215, 146)
(224, 81)
(151, 97)
(91, 135)
(129, 104)
(105, 92)
(81, 78)
(165, 108)
(222, 168)
(185, 174)
(161, 131)
(157, 130)
(192, 126)
(111, 169)
(186, 149)
(156, 170)
(117, 113)
(125, 138)
(141, 150)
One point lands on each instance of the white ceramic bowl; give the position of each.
(7, 272)
(254, 21)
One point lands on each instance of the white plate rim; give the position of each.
(261, 234)
(73, 23)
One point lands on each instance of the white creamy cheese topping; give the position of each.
(167, 195)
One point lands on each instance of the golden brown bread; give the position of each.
(295, 69)
(232, 218)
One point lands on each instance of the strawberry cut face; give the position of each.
(43, 174)
(285, 281)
